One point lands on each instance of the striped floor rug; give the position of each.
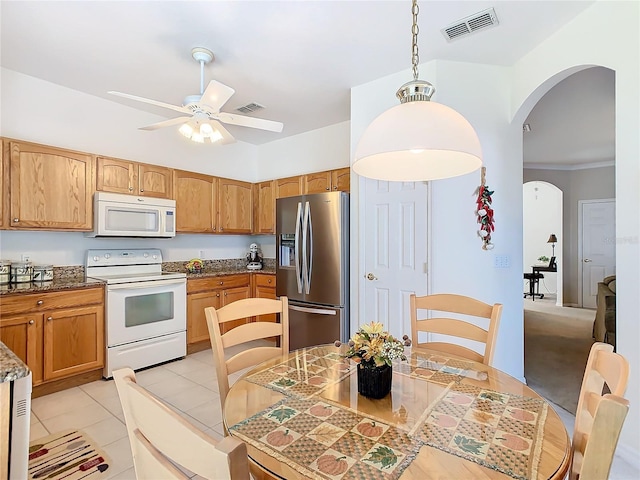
(69, 455)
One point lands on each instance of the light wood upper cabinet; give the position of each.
(50, 188)
(319, 182)
(331, 180)
(4, 187)
(264, 210)
(196, 202)
(341, 179)
(122, 176)
(289, 187)
(235, 206)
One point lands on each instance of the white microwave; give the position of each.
(119, 215)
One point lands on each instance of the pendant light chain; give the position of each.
(414, 39)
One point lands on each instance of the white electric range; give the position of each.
(145, 308)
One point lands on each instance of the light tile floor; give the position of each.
(189, 386)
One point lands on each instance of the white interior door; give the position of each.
(395, 251)
(598, 253)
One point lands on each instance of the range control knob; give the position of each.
(96, 258)
(107, 255)
(145, 255)
(155, 257)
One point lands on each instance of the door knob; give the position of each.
(370, 276)
(587, 260)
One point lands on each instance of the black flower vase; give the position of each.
(374, 382)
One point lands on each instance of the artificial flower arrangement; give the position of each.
(371, 346)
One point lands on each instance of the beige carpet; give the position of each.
(557, 341)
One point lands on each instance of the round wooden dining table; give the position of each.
(301, 416)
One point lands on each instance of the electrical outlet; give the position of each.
(501, 261)
(26, 257)
(201, 257)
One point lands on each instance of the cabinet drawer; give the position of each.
(263, 280)
(39, 302)
(214, 283)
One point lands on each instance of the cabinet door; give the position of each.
(235, 206)
(319, 182)
(154, 181)
(289, 187)
(4, 188)
(195, 195)
(265, 207)
(340, 179)
(197, 330)
(50, 188)
(266, 292)
(73, 341)
(23, 335)
(117, 176)
(231, 295)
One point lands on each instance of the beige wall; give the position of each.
(586, 184)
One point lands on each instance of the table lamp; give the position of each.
(553, 240)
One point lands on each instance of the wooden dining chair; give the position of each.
(599, 416)
(455, 327)
(246, 308)
(161, 439)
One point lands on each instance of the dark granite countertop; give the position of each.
(11, 367)
(232, 271)
(56, 284)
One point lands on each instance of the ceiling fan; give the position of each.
(205, 117)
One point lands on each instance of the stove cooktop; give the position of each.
(112, 279)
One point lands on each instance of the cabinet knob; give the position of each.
(335, 188)
(327, 188)
(49, 318)
(214, 229)
(141, 190)
(225, 294)
(221, 229)
(31, 322)
(16, 220)
(39, 302)
(221, 282)
(131, 189)
(269, 281)
(217, 295)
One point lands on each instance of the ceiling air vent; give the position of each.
(250, 108)
(481, 20)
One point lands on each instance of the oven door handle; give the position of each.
(146, 284)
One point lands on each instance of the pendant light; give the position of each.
(418, 139)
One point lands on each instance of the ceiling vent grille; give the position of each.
(481, 20)
(250, 107)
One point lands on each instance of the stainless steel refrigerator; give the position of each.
(312, 266)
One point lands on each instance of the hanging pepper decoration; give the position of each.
(484, 213)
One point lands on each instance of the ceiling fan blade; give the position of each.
(166, 123)
(151, 102)
(216, 95)
(244, 121)
(226, 136)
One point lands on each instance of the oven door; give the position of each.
(142, 310)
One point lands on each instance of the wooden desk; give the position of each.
(303, 409)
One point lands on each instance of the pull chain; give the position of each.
(414, 39)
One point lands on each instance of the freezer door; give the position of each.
(312, 248)
(311, 325)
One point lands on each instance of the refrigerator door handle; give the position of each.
(319, 311)
(297, 248)
(307, 257)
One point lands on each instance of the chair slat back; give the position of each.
(461, 305)
(599, 417)
(249, 307)
(161, 439)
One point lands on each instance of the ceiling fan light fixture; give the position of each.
(419, 139)
(206, 130)
(186, 130)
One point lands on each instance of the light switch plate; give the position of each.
(501, 261)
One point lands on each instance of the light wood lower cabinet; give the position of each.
(57, 334)
(265, 287)
(213, 292)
